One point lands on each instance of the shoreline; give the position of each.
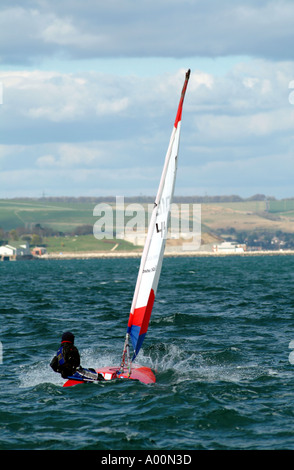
(170, 254)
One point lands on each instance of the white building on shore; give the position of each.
(229, 247)
(15, 251)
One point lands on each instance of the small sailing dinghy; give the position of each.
(149, 271)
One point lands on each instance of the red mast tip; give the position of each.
(179, 113)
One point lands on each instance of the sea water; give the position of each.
(218, 339)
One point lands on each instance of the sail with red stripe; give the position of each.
(152, 256)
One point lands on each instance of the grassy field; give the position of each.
(84, 243)
(250, 216)
(284, 206)
(59, 215)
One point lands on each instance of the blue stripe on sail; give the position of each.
(139, 344)
(134, 332)
(136, 338)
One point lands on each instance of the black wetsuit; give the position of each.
(67, 359)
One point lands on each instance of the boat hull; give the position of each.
(140, 373)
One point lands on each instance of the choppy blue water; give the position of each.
(219, 339)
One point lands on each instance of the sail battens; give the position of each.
(152, 256)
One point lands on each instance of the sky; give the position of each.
(90, 92)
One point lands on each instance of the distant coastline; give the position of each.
(137, 254)
(64, 226)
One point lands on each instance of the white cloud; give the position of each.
(62, 32)
(46, 161)
(69, 155)
(74, 29)
(111, 107)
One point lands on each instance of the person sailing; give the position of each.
(67, 361)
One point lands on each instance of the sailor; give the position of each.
(67, 361)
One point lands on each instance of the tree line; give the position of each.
(150, 199)
(262, 239)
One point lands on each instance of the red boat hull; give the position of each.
(141, 373)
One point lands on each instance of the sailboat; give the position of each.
(149, 271)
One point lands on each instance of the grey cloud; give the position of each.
(161, 28)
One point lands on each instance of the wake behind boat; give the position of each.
(149, 272)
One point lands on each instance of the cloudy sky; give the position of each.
(90, 91)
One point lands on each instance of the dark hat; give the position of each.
(68, 336)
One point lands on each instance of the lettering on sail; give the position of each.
(150, 270)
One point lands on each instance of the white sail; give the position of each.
(152, 257)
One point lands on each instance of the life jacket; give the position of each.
(67, 359)
(60, 356)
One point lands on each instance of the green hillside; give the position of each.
(60, 216)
